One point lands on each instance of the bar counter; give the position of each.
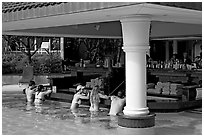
(88, 70)
(177, 76)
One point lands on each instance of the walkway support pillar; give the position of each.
(175, 47)
(167, 50)
(62, 47)
(135, 32)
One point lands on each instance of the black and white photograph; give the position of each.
(101, 68)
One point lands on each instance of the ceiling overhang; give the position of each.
(83, 24)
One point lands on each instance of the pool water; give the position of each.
(51, 118)
(55, 118)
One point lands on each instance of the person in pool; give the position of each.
(40, 94)
(95, 96)
(30, 92)
(117, 103)
(81, 93)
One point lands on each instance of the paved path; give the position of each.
(13, 88)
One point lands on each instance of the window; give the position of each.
(55, 44)
(45, 39)
(18, 45)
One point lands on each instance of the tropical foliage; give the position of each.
(12, 63)
(24, 44)
(50, 62)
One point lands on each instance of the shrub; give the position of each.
(47, 63)
(12, 63)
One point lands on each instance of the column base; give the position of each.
(143, 121)
(136, 112)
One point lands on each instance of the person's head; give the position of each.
(96, 87)
(120, 94)
(95, 90)
(40, 87)
(80, 88)
(174, 56)
(32, 83)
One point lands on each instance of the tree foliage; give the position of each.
(12, 63)
(24, 44)
(99, 47)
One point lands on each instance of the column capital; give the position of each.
(136, 18)
(135, 31)
(135, 48)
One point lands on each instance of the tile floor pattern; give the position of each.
(55, 118)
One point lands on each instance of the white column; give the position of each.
(62, 47)
(35, 43)
(136, 42)
(49, 45)
(175, 47)
(148, 52)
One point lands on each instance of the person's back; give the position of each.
(117, 105)
(95, 98)
(29, 91)
(30, 94)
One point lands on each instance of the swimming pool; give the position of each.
(55, 118)
(50, 118)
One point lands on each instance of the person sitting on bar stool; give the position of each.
(81, 94)
(174, 58)
(117, 103)
(95, 96)
(186, 59)
(198, 61)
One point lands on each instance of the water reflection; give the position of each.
(29, 106)
(80, 117)
(94, 115)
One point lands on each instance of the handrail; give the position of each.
(116, 88)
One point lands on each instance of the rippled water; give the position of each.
(51, 118)
(55, 118)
